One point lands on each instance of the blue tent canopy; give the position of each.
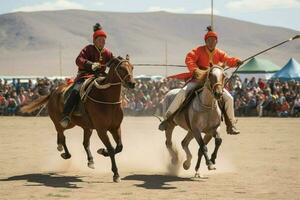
(289, 71)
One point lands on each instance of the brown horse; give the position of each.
(103, 111)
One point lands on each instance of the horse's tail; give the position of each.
(35, 104)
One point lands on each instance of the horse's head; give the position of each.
(215, 81)
(122, 69)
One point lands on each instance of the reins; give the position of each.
(108, 85)
(207, 82)
(211, 89)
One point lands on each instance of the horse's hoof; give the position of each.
(65, 156)
(186, 165)
(197, 175)
(91, 165)
(100, 151)
(211, 167)
(117, 179)
(59, 147)
(213, 161)
(103, 152)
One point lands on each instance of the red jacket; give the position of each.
(88, 56)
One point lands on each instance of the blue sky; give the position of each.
(284, 13)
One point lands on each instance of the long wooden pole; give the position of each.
(263, 51)
(212, 14)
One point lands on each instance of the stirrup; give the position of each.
(65, 121)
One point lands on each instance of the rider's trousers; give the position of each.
(182, 94)
(179, 98)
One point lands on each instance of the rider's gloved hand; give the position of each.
(96, 66)
(199, 74)
(239, 63)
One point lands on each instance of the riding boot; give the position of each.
(68, 108)
(231, 129)
(228, 112)
(168, 121)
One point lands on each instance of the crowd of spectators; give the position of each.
(16, 93)
(266, 98)
(146, 98)
(251, 97)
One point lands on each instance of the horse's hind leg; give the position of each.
(86, 144)
(61, 144)
(185, 145)
(172, 152)
(111, 152)
(218, 142)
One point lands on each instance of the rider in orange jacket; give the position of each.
(198, 61)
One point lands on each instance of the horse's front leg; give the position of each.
(86, 144)
(116, 133)
(202, 150)
(206, 140)
(102, 133)
(218, 142)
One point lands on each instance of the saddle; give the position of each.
(191, 95)
(84, 89)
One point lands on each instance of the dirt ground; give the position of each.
(263, 162)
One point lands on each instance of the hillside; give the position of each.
(29, 42)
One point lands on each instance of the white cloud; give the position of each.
(99, 3)
(173, 10)
(55, 5)
(259, 5)
(206, 11)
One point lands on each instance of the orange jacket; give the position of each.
(201, 57)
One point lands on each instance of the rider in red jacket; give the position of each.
(92, 58)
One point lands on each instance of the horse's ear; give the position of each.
(127, 57)
(110, 62)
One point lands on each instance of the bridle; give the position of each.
(122, 80)
(210, 87)
(107, 85)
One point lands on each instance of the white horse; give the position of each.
(201, 115)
